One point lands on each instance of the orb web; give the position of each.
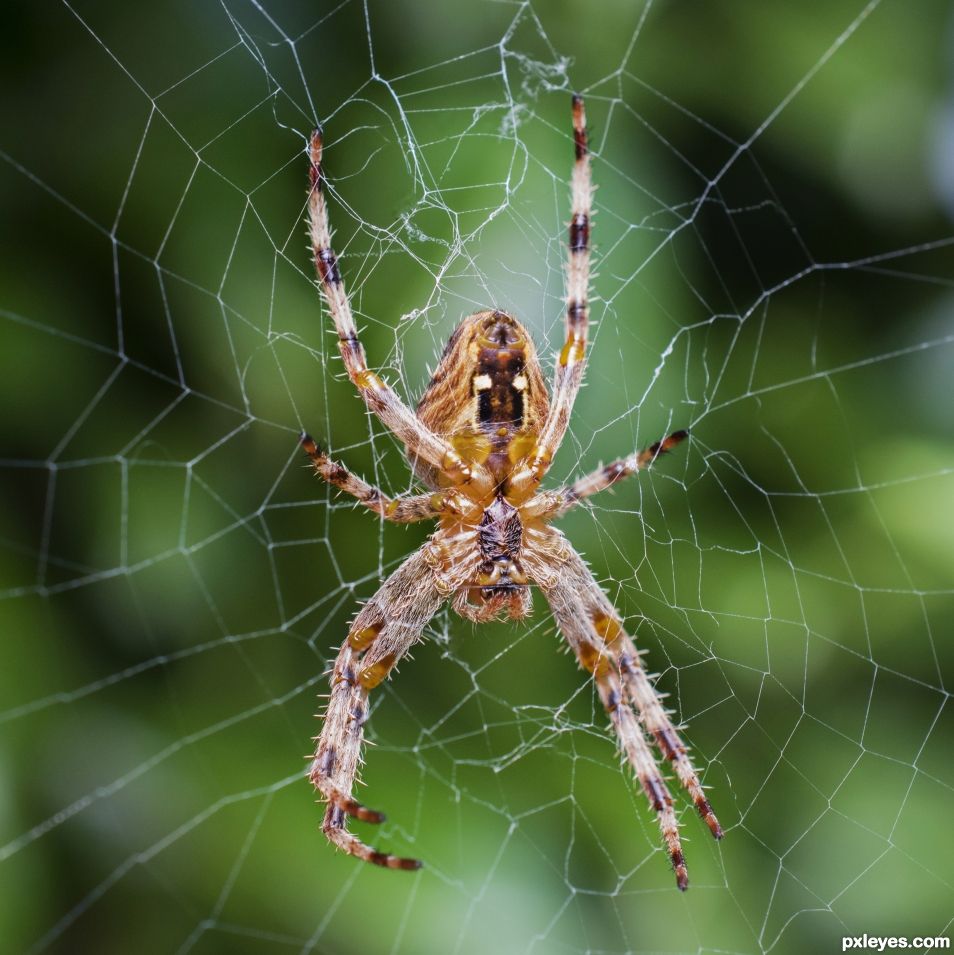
(773, 272)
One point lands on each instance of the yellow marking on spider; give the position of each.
(368, 379)
(474, 446)
(372, 675)
(608, 628)
(520, 446)
(454, 469)
(362, 639)
(594, 659)
(572, 353)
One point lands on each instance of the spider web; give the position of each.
(774, 261)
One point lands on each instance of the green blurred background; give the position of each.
(774, 259)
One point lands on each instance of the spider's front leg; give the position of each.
(383, 631)
(593, 629)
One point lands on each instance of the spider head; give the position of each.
(506, 598)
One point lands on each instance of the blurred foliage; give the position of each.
(774, 259)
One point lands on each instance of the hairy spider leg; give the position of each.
(552, 504)
(384, 630)
(568, 374)
(405, 509)
(593, 629)
(379, 396)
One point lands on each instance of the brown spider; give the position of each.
(482, 439)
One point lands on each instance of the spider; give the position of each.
(482, 439)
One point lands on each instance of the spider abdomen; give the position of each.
(487, 395)
(500, 381)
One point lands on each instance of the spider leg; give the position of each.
(402, 510)
(577, 629)
(568, 374)
(593, 629)
(383, 631)
(380, 398)
(552, 504)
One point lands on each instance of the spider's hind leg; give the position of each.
(380, 398)
(568, 373)
(335, 832)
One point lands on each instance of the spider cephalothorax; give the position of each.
(482, 439)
